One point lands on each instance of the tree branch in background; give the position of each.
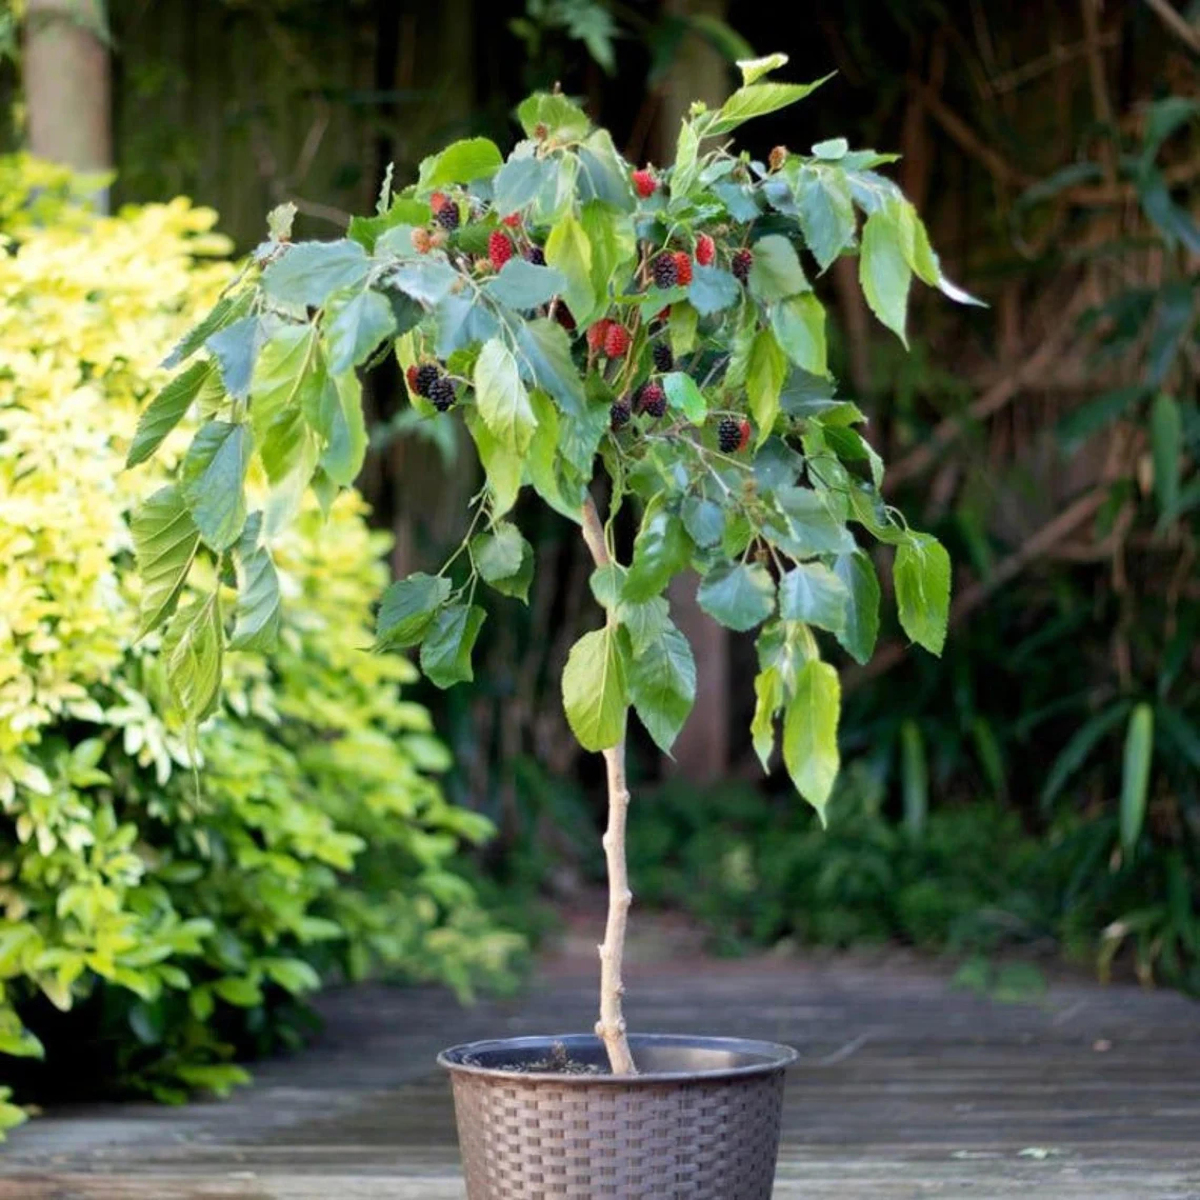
(1177, 23)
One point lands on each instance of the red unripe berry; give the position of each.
(411, 376)
(706, 250)
(438, 201)
(500, 248)
(616, 341)
(596, 335)
(683, 268)
(513, 220)
(421, 240)
(743, 434)
(645, 182)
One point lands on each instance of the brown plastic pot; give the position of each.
(700, 1121)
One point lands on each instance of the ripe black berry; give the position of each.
(666, 271)
(427, 376)
(441, 393)
(652, 400)
(620, 414)
(729, 435)
(743, 260)
(536, 255)
(664, 360)
(448, 216)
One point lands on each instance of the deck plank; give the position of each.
(907, 1088)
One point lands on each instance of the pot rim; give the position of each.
(773, 1057)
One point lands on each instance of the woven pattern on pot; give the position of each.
(714, 1140)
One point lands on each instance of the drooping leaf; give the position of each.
(884, 273)
(166, 410)
(193, 648)
(213, 481)
(857, 573)
(165, 540)
(408, 608)
(235, 347)
(810, 726)
(427, 280)
(812, 593)
(310, 272)
(613, 242)
(286, 382)
(258, 614)
(826, 213)
(739, 596)
(684, 395)
(660, 550)
(502, 399)
(226, 310)
(502, 466)
(357, 323)
(517, 184)
(504, 559)
(922, 577)
(799, 325)
(346, 444)
(1135, 775)
(595, 690)
(703, 519)
(662, 685)
(765, 374)
(569, 252)
(712, 289)
(545, 360)
(447, 645)
(776, 272)
(769, 694)
(603, 175)
(1166, 447)
(522, 285)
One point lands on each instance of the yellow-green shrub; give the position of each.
(316, 838)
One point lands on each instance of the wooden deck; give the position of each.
(906, 1088)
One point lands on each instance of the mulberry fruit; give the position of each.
(743, 434)
(438, 201)
(778, 157)
(448, 216)
(706, 250)
(410, 377)
(620, 414)
(616, 341)
(683, 268)
(421, 241)
(536, 255)
(596, 335)
(664, 360)
(729, 435)
(665, 271)
(441, 393)
(645, 182)
(743, 260)
(564, 316)
(513, 220)
(426, 376)
(652, 400)
(500, 248)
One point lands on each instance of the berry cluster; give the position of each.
(608, 337)
(733, 435)
(651, 399)
(430, 381)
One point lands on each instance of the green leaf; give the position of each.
(662, 685)
(310, 272)
(756, 100)
(552, 477)
(226, 310)
(684, 395)
(660, 550)
(682, 328)
(826, 213)
(165, 540)
(446, 650)
(922, 577)
(518, 183)
(569, 251)
(234, 348)
(643, 621)
(258, 615)
(857, 574)
(810, 725)
(408, 608)
(768, 693)
(461, 162)
(356, 324)
(808, 526)
(831, 150)
(712, 289)
(562, 119)
(594, 689)
(753, 69)
(428, 280)
(504, 559)
(603, 175)
(502, 399)
(166, 410)
(799, 325)
(1135, 774)
(213, 480)
(704, 520)
(1166, 448)
(193, 647)
(545, 361)
(765, 375)
(285, 384)
(776, 272)
(739, 596)
(812, 593)
(502, 466)
(613, 242)
(884, 273)
(346, 444)
(524, 285)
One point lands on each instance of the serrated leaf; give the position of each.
(812, 593)
(603, 176)
(569, 252)
(826, 213)
(285, 383)
(685, 396)
(857, 573)
(346, 441)
(776, 272)
(922, 577)
(739, 596)
(703, 519)
(355, 326)
(428, 280)
(517, 184)
(235, 347)
(503, 467)
(524, 285)
(408, 608)
(595, 691)
(545, 361)
(713, 289)
(613, 241)
(884, 272)
(809, 527)
(501, 398)
(504, 559)
(662, 685)
(799, 326)
(213, 481)
(765, 375)
(165, 540)
(756, 100)
(446, 648)
(810, 725)
(310, 272)
(660, 550)
(562, 119)
(193, 646)
(753, 69)
(682, 327)
(226, 310)
(461, 162)
(768, 693)
(258, 615)
(166, 410)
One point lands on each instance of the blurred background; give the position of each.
(1038, 788)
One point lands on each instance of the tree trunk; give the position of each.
(68, 85)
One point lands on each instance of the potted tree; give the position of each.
(612, 338)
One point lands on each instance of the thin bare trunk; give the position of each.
(610, 1028)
